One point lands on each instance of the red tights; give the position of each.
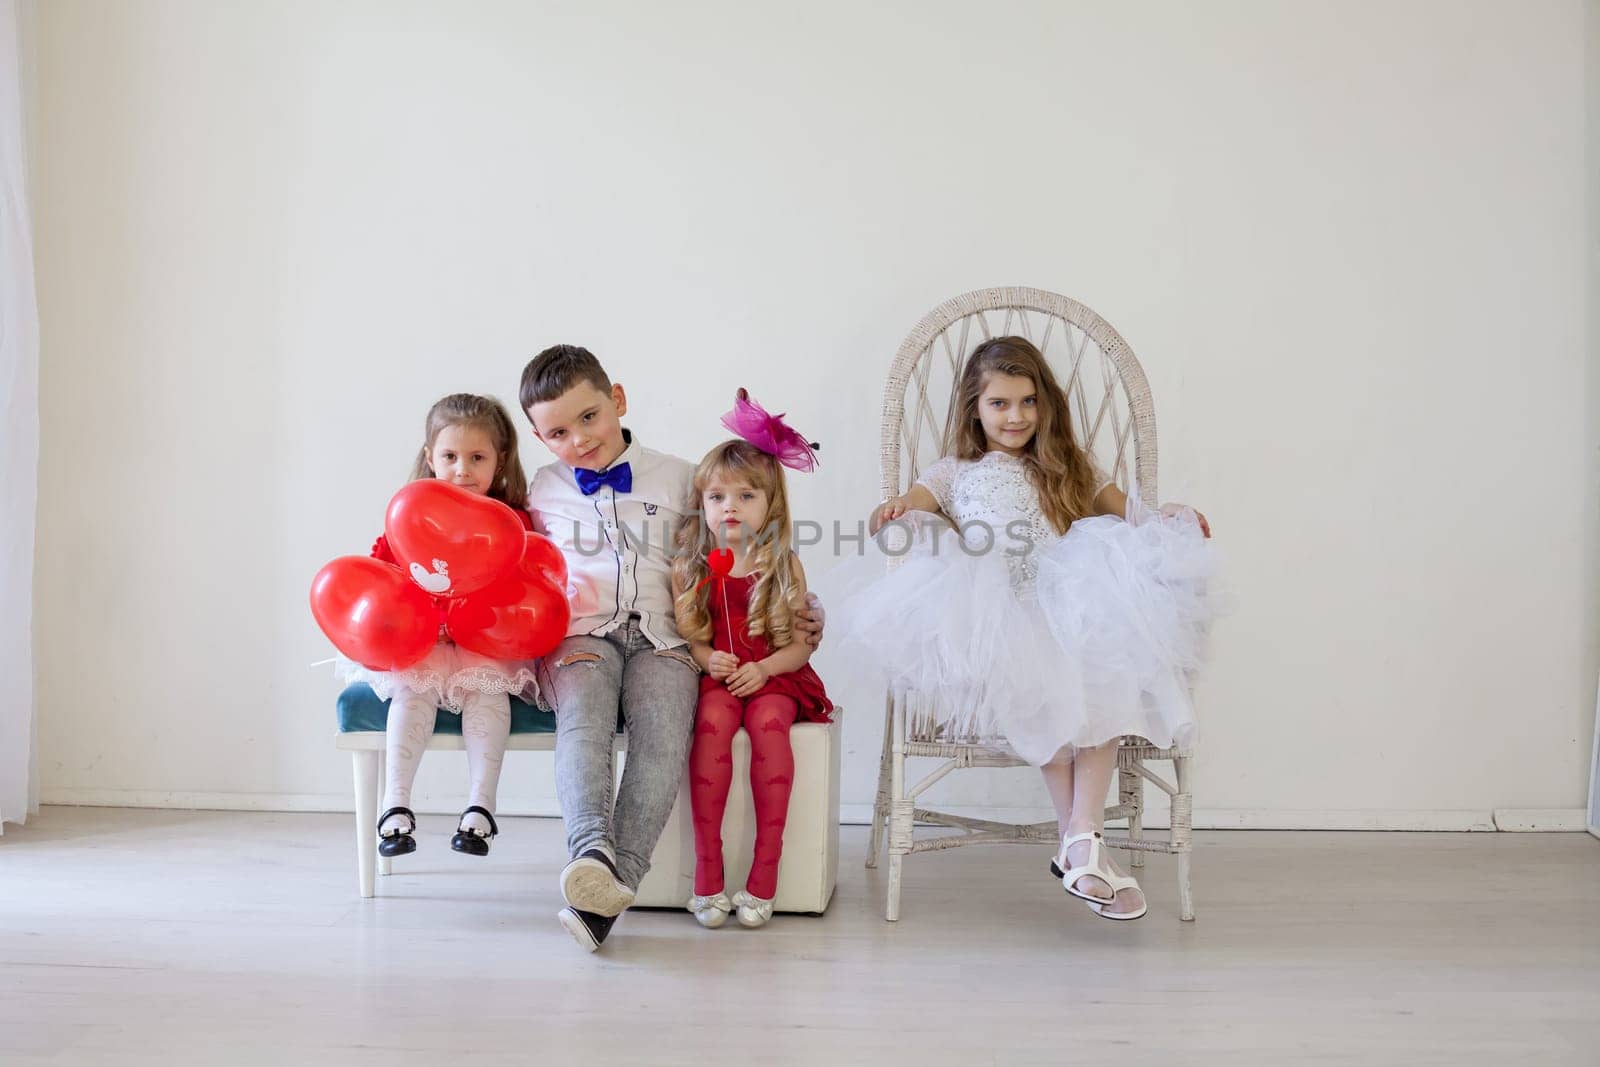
(766, 718)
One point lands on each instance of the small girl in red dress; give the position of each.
(738, 584)
(471, 442)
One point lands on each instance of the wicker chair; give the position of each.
(1115, 419)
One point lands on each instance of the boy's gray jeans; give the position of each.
(587, 680)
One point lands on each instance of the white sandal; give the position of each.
(1096, 867)
(1120, 883)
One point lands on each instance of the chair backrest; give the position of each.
(1112, 413)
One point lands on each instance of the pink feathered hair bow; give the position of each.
(770, 434)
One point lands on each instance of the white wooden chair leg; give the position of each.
(892, 906)
(365, 763)
(1183, 836)
(385, 864)
(1130, 790)
(901, 824)
(900, 813)
(880, 800)
(1185, 891)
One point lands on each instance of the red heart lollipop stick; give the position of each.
(720, 560)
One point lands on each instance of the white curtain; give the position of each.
(19, 442)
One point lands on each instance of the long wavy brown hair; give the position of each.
(1061, 471)
(774, 599)
(489, 415)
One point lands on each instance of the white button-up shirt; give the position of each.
(618, 546)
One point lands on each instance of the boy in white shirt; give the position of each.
(612, 506)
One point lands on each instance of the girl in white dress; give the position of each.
(1059, 614)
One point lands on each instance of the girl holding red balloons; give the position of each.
(738, 586)
(455, 574)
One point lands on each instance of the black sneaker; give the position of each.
(590, 883)
(587, 929)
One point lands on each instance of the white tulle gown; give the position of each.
(1007, 629)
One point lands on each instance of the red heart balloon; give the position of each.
(519, 615)
(373, 613)
(548, 558)
(720, 560)
(450, 541)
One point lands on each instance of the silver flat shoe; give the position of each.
(711, 911)
(753, 911)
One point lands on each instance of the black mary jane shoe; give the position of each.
(400, 842)
(470, 841)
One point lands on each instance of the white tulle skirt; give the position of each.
(1105, 641)
(447, 675)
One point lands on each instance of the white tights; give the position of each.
(485, 727)
(1078, 781)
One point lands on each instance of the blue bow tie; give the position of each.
(619, 478)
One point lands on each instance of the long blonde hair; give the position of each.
(1062, 472)
(489, 415)
(774, 599)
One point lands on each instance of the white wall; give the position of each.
(1349, 241)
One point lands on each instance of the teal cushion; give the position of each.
(360, 710)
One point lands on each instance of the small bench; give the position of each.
(810, 841)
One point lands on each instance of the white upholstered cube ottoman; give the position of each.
(810, 866)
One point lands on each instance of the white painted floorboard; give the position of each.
(176, 937)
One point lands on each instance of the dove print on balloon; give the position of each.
(436, 581)
(452, 542)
